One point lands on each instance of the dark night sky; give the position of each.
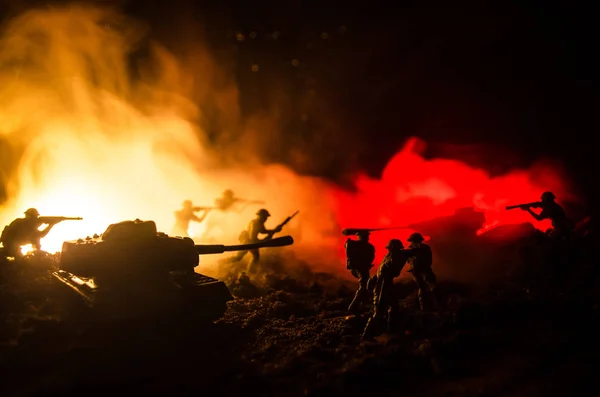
(520, 76)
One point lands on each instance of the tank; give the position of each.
(132, 270)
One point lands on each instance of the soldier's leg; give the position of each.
(361, 292)
(432, 290)
(375, 321)
(254, 262)
(36, 243)
(422, 286)
(393, 313)
(12, 249)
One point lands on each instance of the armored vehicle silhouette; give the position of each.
(132, 270)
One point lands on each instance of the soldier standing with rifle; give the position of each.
(420, 267)
(228, 201)
(360, 254)
(185, 215)
(23, 231)
(384, 301)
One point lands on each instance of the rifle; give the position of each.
(50, 220)
(282, 224)
(196, 209)
(535, 204)
(354, 231)
(250, 201)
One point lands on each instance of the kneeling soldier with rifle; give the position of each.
(562, 226)
(23, 231)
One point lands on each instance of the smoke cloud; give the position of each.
(100, 121)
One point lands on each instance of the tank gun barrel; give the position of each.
(220, 248)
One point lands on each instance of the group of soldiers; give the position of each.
(360, 255)
(229, 202)
(360, 252)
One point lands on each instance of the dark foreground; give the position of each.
(296, 340)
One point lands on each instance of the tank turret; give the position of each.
(132, 269)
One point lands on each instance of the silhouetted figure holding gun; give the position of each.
(23, 231)
(256, 227)
(561, 225)
(422, 271)
(187, 214)
(228, 202)
(385, 303)
(558, 236)
(360, 255)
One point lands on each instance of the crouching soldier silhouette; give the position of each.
(23, 231)
(385, 303)
(420, 267)
(360, 254)
(558, 236)
(562, 226)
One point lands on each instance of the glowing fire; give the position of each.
(99, 145)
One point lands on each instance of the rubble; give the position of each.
(293, 337)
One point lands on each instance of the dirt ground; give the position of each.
(295, 339)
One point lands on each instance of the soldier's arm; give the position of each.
(371, 254)
(240, 208)
(271, 231)
(538, 217)
(44, 233)
(203, 216)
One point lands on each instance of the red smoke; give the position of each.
(413, 189)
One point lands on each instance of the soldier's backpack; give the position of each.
(353, 254)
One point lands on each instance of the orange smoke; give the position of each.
(99, 144)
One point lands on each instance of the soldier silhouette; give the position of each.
(228, 201)
(225, 204)
(558, 236)
(185, 215)
(420, 267)
(256, 227)
(562, 226)
(384, 300)
(360, 255)
(23, 231)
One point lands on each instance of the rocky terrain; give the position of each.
(291, 338)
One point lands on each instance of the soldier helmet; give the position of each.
(32, 212)
(187, 203)
(415, 238)
(394, 244)
(228, 193)
(363, 233)
(548, 196)
(263, 212)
